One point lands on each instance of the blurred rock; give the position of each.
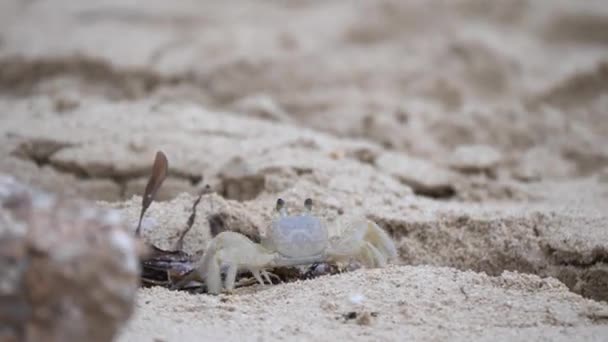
(424, 177)
(603, 176)
(475, 158)
(540, 162)
(68, 270)
(240, 181)
(261, 106)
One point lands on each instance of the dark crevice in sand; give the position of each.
(569, 258)
(598, 318)
(578, 28)
(497, 245)
(19, 76)
(40, 152)
(583, 87)
(439, 193)
(244, 188)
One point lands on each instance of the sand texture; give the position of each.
(474, 132)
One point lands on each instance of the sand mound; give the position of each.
(395, 303)
(474, 132)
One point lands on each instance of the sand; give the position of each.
(425, 303)
(475, 133)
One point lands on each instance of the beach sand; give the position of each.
(475, 133)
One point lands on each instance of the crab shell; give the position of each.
(298, 236)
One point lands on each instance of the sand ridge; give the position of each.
(475, 133)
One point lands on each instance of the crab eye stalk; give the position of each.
(281, 207)
(308, 204)
(280, 204)
(207, 189)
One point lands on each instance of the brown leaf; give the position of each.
(159, 173)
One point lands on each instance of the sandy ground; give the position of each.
(475, 133)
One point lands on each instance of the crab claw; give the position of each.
(235, 252)
(364, 241)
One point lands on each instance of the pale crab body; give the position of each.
(293, 240)
(297, 239)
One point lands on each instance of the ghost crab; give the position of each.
(292, 240)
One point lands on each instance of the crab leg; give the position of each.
(373, 257)
(212, 275)
(235, 251)
(256, 275)
(366, 242)
(380, 239)
(230, 277)
(267, 275)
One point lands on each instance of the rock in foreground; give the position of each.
(68, 270)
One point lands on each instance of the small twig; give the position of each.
(180, 241)
(466, 295)
(159, 173)
(208, 190)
